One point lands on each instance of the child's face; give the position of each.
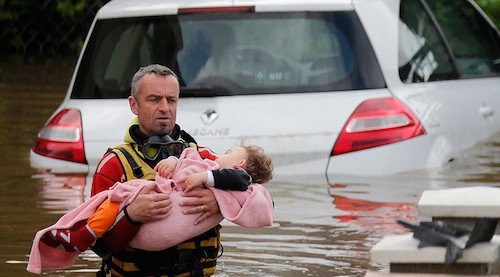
(235, 156)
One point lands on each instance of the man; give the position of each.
(154, 98)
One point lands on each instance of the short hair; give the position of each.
(157, 69)
(259, 164)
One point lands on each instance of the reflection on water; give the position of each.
(320, 229)
(481, 164)
(374, 216)
(61, 193)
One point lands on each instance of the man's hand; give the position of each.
(166, 167)
(193, 180)
(202, 200)
(149, 206)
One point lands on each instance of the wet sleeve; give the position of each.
(108, 172)
(231, 179)
(117, 238)
(122, 233)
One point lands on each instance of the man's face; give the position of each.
(156, 107)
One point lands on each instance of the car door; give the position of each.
(475, 44)
(447, 59)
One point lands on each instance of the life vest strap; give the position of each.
(136, 169)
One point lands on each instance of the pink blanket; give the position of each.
(252, 208)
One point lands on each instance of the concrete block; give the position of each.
(466, 202)
(403, 255)
(404, 249)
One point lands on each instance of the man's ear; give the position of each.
(134, 106)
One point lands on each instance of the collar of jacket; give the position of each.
(135, 137)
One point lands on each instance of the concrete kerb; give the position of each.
(460, 207)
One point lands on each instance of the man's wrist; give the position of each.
(130, 218)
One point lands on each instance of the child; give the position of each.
(239, 167)
(235, 170)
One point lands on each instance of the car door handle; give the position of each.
(486, 111)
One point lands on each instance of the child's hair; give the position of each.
(259, 164)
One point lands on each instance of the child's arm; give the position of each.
(194, 180)
(225, 179)
(166, 166)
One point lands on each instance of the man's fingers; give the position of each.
(161, 200)
(150, 206)
(194, 199)
(196, 210)
(201, 208)
(161, 213)
(199, 201)
(201, 218)
(191, 202)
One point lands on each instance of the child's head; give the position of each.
(251, 158)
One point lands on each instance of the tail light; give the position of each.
(62, 137)
(377, 122)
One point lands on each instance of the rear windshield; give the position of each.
(231, 54)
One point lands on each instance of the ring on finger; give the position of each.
(202, 208)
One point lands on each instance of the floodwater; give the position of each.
(321, 229)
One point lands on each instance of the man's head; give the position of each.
(251, 158)
(153, 98)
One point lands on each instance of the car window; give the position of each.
(423, 55)
(232, 54)
(474, 42)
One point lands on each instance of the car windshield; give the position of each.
(231, 54)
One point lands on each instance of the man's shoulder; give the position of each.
(109, 171)
(109, 165)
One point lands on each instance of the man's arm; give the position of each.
(145, 207)
(108, 172)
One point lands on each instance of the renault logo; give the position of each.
(209, 117)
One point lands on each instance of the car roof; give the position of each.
(135, 8)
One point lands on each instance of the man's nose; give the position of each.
(163, 105)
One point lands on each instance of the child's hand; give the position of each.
(166, 167)
(194, 180)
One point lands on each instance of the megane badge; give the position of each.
(209, 117)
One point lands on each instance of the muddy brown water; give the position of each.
(320, 229)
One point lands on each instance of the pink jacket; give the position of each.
(252, 209)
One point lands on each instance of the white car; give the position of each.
(328, 88)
